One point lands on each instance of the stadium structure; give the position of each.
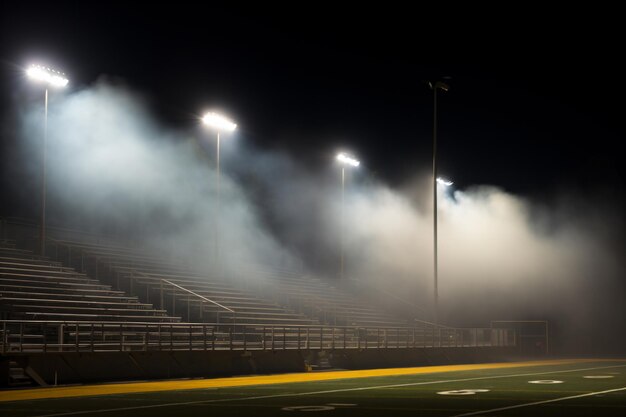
(99, 309)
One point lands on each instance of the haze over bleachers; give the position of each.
(254, 294)
(92, 295)
(196, 295)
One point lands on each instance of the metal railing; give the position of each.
(202, 299)
(22, 336)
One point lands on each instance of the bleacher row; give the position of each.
(32, 288)
(180, 290)
(151, 289)
(312, 296)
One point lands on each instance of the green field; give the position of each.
(500, 392)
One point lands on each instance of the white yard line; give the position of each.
(571, 397)
(141, 407)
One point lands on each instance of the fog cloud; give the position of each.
(112, 166)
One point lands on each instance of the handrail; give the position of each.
(189, 291)
(198, 295)
(26, 336)
(162, 279)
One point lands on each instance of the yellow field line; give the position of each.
(157, 386)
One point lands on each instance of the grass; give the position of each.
(505, 388)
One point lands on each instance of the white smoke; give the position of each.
(500, 256)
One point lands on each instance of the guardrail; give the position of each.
(19, 336)
(198, 296)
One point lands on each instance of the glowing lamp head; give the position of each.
(218, 122)
(444, 182)
(345, 159)
(47, 75)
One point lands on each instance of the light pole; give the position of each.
(436, 86)
(218, 123)
(51, 78)
(345, 161)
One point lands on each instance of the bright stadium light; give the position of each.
(444, 182)
(342, 157)
(345, 160)
(218, 123)
(51, 78)
(48, 75)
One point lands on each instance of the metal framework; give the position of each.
(19, 336)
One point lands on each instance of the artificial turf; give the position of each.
(414, 394)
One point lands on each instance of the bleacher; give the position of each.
(329, 302)
(176, 287)
(93, 297)
(35, 288)
(263, 296)
(142, 281)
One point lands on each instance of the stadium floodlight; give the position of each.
(439, 85)
(444, 182)
(219, 123)
(51, 78)
(48, 75)
(346, 160)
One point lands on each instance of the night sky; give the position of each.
(535, 106)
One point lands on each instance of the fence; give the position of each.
(57, 336)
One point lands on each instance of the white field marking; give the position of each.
(545, 381)
(462, 392)
(327, 407)
(571, 397)
(308, 408)
(598, 376)
(260, 397)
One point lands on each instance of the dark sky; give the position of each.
(535, 106)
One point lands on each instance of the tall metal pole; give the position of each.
(42, 230)
(55, 79)
(343, 219)
(218, 123)
(435, 269)
(218, 211)
(344, 159)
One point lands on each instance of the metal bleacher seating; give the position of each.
(264, 296)
(35, 288)
(329, 302)
(176, 287)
